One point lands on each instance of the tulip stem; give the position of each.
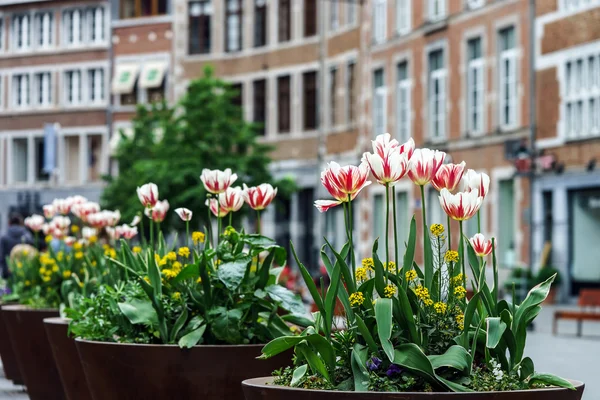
(462, 255)
(478, 221)
(258, 225)
(209, 228)
(350, 228)
(423, 209)
(395, 228)
(143, 235)
(187, 234)
(218, 227)
(230, 218)
(152, 233)
(449, 233)
(387, 229)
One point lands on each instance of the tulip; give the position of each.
(70, 240)
(83, 210)
(383, 143)
(481, 246)
(60, 222)
(343, 183)
(424, 165)
(460, 206)
(216, 181)
(389, 169)
(407, 148)
(216, 208)
(136, 220)
(184, 214)
(62, 206)
(46, 228)
(113, 233)
(472, 180)
(35, 222)
(128, 232)
(148, 195)
(77, 199)
(49, 211)
(257, 197)
(448, 176)
(88, 232)
(158, 212)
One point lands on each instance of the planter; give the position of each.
(9, 359)
(67, 360)
(26, 331)
(116, 371)
(263, 389)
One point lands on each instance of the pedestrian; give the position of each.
(15, 234)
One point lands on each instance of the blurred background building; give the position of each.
(324, 77)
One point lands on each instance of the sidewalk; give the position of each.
(10, 391)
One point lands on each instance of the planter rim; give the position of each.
(57, 320)
(266, 382)
(205, 346)
(22, 307)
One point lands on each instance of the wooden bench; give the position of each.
(589, 303)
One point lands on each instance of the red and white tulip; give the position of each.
(424, 165)
(481, 246)
(148, 195)
(158, 212)
(114, 233)
(473, 180)
(83, 210)
(184, 214)
(88, 232)
(448, 176)
(387, 164)
(257, 197)
(136, 220)
(343, 183)
(70, 240)
(49, 211)
(77, 199)
(62, 206)
(233, 198)
(216, 181)
(216, 208)
(127, 232)
(35, 222)
(460, 206)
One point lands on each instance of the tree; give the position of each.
(171, 145)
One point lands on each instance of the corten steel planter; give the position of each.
(27, 334)
(116, 371)
(66, 358)
(263, 389)
(9, 359)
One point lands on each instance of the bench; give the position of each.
(589, 303)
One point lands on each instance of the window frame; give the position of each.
(284, 102)
(230, 15)
(15, 36)
(261, 32)
(475, 66)
(379, 21)
(67, 85)
(332, 94)
(310, 96)
(581, 103)
(38, 89)
(40, 33)
(379, 104)
(204, 22)
(17, 91)
(510, 56)
(433, 76)
(406, 16)
(310, 18)
(334, 15)
(442, 11)
(68, 22)
(260, 114)
(351, 87)
(403, 86)
(284, 14)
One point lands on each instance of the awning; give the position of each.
(153, 74)
(124, 79)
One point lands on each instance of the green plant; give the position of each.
(546, 272)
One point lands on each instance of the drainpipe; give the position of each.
(109, 108)
(532, 127)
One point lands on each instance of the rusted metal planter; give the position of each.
(25, 328)
(116, 371)
(263, 389)
(66, 358)
(9, 359)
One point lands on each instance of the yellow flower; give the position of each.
(459, 292)
(428, 302)
(171, 256)
(19, 264)
(77, 246)
(42, 270)
(60, 255)
(93, 239)
(66, 274)
(460, 321)
(361, 274)
(48, 238)
(147, 280)
(356, 299)
(55, 268)
(451, 256)
(390, 266)
(169, 273)
(136, 249)
(94, 263)
(79, 255)
(46, 278)
(437, 229)
(106, 246)
(389, 291)
(422, 293)
(27, 283)
(458, 279)
(199, 280)
(368, 263)
(440, 307)
(411, 275)
(176, 296)
(110, 252)
(177, 266)
(74, 229)
(184, 252)
(229, 230)
(198, 237)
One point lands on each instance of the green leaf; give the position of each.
(469, 312)
(331, 297)
(256, 240)
(265, 268)
(535, 296)
(309, 282)
(346, 272)
(407, 316)
(379, 271)
(455, 357)
(411, 357)
(550, 379)
(526, 368)
(298, 374)
(494, 331)
(192, 271)
(232, 273)
(192, 338)
(154, 276)
(279, 345)
(313, 360)
(358, 363)
(409, 255)
(296, 319)
(427, 257)
(139, 311)
(474, 263)
(286, 299)
(383, 316)
(366, 334)
(179, 324)
(226, 324)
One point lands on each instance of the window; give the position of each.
(473, 4)
(403, 16)
(574, 5)
(437, 95)
(436, 10)
(403, 107)
(142, 8)
(233, 22)
(379, 103)
(582, 99)
(283, 103)
(334, 14)
(260, 104)
(20, 152)
(44, 29)
(21, 91)
(73, 87)
(508, 78)
(379, 20)
(506, 226)
(309, 82)
(1, 33)
(73, 27)
(310, 18)
(332, 97)
(43, 89)
(200, 17)
(351, 11)
(95, 85)
(351, 98)
(238, 97)
(96, 23)
(475, 87)
(21, 31)
(285, 21)
(260, 23)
